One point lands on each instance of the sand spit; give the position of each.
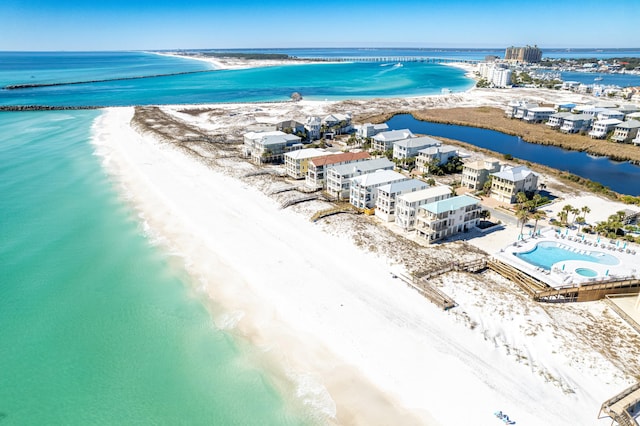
(319, 299)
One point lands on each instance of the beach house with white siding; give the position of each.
(339, 177)
(610, 114)
(408, 148)
(316, 167)
(386, 203)
(601, 128)
(407, 204)
(383, 141)
(364, 188)
(555, 120)
(518, 109)
(296, 162)
(576, 123)
(538, 114)
(313, 125)
(369, 130)
(444, 218)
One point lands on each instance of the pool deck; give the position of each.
(563, 273)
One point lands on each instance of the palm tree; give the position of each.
(523, 215)
(537, 215)
(521, 198)
(585, 210)
(566, 210)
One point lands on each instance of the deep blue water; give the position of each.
(622, 80)
(622, 177)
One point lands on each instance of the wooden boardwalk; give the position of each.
(620, 407)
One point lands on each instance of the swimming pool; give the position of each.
(547, 253)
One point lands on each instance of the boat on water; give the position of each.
(597, 79)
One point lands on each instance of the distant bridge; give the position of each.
(396, 59)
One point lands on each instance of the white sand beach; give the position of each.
(360, 346)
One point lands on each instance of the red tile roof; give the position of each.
(326, 160)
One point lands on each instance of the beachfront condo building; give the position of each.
(498, 75)
(409, 148)
(555, 120)
(364, 188)
(316, 167)
(269, 147)
(383, 141)
(407, 204)
(530, 54)
(476, 173)
(506, 183)
(576, 123)
(369, 130)
(601, 128)
(386, 203)
(339, 177)
(626, 131)
(444, 218)
(296, 163)
(434, 155)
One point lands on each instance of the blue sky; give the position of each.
(170, 24)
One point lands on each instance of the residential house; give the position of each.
(369, 130)
(383, 141)
(409, 148)
(316, 173)
(636, 140)
(476, 173)
(313, 125)
(364, 188)
(576, 123)
(291, 126)
(609, 114)
(556, 120)
(626, 131)
(337, 124)
(269, 147)
(407, 204)
(627, 109)
(633, 116)
(296, 162)
(386, 204)
(601, 128)
(444, 218)
(433, 154)
(538, 114)
(591, 110)
(518, 109)
(339, 177)
(506, 183)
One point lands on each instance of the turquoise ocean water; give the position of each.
(97, 324)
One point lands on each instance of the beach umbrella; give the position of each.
(582, 237)
(624, 245)
(617, 243)
(563, 266)
(566, 232)
(598, 238)
(606, 273)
